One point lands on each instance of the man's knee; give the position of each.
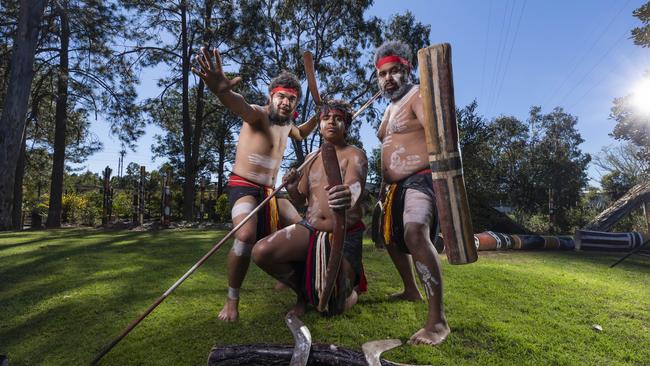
(246, 234)
(416, 234)
(241, 248)
(262, 252)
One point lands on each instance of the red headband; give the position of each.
(333, 111)
(286, 90)
(388, 59)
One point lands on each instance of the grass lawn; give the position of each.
(66, 293)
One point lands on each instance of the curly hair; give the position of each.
(393, 48)
(338, 105)
(287, 80)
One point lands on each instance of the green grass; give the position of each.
(66, 293)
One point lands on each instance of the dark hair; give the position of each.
(339, 105)
(393, 48)
(287, 80)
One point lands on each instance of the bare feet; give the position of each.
(432, 337)
(281, 286)
(230, 312)
(351, 300)
(407, 295)
(298, 309)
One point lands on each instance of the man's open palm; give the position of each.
(212, 73)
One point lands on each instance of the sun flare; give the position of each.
(641, 96)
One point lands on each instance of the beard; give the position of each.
(396, 94)
(275, 118)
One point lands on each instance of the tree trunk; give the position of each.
(15, 104)
(60, 118)
(190, 168)
(221, 166)
(17, 214)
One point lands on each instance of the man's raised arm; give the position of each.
(212, 74)
(300, 132)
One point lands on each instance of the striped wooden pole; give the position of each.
(441, 129)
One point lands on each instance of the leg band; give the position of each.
(233, 293)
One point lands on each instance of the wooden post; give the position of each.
(141, 197)
(107, 208)
(166, 199)
(202, 200)
(437, 93)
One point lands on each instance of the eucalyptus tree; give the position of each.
(12, 120)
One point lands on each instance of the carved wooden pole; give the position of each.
(107, 208)
(166, 199)
(437, 92)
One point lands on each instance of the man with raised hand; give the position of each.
(260, 148)
(409, 205)
(298, 254)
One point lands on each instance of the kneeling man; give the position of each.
(297, 255)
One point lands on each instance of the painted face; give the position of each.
(393, 80)
(332, 125)
(282, 106)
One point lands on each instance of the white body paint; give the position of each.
(427, 279)
(242, 208)
(242, 249)
(404, 164)
(355, 191)
(288, 232)
(233, 293)
(418, 207)
(263, 161)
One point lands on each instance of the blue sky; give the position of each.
(508, 55)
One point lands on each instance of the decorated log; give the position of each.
(437, 92)
(490, 240)
(606, 241)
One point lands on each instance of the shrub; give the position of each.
(223, 208)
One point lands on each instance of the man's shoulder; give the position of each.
(355, 151)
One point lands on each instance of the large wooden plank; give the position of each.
(437, 92)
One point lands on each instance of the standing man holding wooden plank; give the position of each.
(262, 140)
(409, 205)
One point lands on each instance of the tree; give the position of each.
(624, 159)
(562, 165)
(77, 53)
(171, 33)
(477, 153)
(641, 35)
(631, 123)
(12, 120)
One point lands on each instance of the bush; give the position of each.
(80, 208)
(71, 205)
(123, 205)
(223, 208)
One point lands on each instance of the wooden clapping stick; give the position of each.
(198, 264)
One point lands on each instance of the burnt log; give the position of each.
(272, 354)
